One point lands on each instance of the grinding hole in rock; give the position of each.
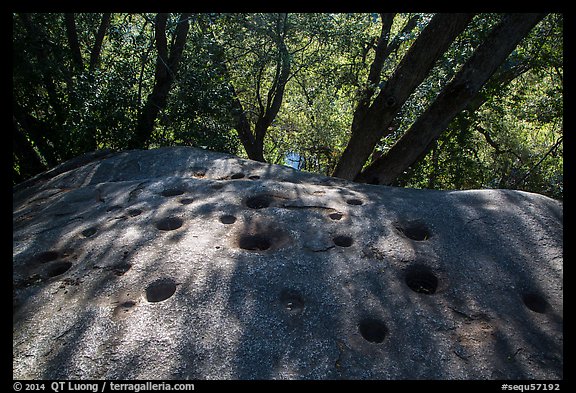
(292, 301)
(186, 201)
(254, 242)
(535, 303)
(134, 212)
(354, 201)
(238, 175)
(373, 330)
(124, 307)
(169, 223)
(414, 230)
(335, 216)
(258, 201)
(254, 177)
(227, 219)
(47, 256)
(121, 268)
(58, 268)
(89, 231)
(343, 241)
(169, 192)
(420, 279)
(160, 290)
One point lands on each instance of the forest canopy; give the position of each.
(438, 101)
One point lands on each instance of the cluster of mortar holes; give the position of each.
(227, 219)
(174, 191)
(237, 176)
(415, 230)
(169, 223)
(336, 216)
(535, 302)
(186, 201)
(354, 201)
(421, 279)
(343, 240)
(160, 290)
(292, 301)
(373, 330)
(257, 242)
(258, 201)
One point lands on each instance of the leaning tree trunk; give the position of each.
(412, 70)
(452, 99)
(166, 68)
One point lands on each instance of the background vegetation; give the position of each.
(300, 89)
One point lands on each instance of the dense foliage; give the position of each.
(82, 81)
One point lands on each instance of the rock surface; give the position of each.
(178, 263)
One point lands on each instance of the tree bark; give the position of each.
(73, 43)
(99, 39)
(28, 160)
(38, 132)
(417, 141)
(380, 55)
(166, 69)
(412, 70)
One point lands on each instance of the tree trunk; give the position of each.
(96, 49)
(380, 55)
(72, 35)
(412, 70)
(166, 68)
(417, 141)
(37, 131)
(253, 142)
(28, 160)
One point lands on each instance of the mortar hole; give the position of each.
(169, 192)
(186, 201)
(238, 175)
(47, 256)
(89, 231)
(343, 241)
(415, 231)
(160, 290)
(258, 202)
(354, 201)
(59, 268)
(254, 242)
(421, 280)
(169, 223)
(373, 330)
(535, 302)
(227, 219)
(134, 212)
(335, 216)
(292, 301)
